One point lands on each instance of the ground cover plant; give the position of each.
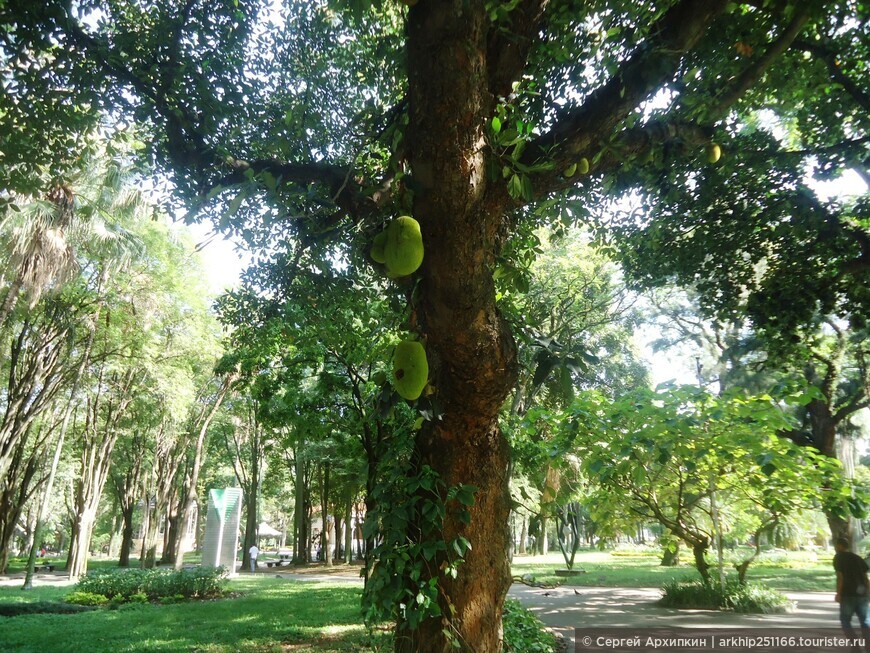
(793, 571)
(748, 598)
(524, 632)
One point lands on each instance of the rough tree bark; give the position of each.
(471, 350)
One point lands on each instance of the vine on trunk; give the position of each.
(412, 555)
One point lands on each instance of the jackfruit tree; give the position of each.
(304, 126)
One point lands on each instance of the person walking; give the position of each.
(853, 588)
(253, 552)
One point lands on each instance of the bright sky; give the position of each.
(223, 261)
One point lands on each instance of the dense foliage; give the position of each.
(305, 127)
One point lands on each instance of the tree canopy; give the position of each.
(306, 126)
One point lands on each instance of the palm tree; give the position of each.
(40, 238)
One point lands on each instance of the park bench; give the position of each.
(278, 563)
(43, 568)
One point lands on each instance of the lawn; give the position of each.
(783, 571)
(269, 614)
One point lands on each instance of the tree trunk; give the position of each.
(15, 490)
(699, 551)
(198, 424)
(671, 555)
(478, 592)
(299, 505)
(126, 536)
(348, 532)
(472, 354)
(542, 544)
(523, 535)
(338, 543)
(324, 514)
(150, 522)
(100, 434)
(173, 531)
(840, 527)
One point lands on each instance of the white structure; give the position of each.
(221, 539)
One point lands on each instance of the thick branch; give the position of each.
(858, 402)
(188, 148)
(576, 131)
(345, 190)
(508, 50)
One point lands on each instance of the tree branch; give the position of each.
(751, 75)
(577, 130)
(507, 51)
(829, 56)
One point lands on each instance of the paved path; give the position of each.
(566, 608)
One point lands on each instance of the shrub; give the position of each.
(749, 598)
(86, 598)
(524, 632)
(155, 584)
(756, 598)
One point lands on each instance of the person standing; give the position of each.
(853, 588)
(253, 552)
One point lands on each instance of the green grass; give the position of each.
(789, 572)
(268, 615)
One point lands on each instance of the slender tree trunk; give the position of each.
(324, 511)
(15, 490)
(348, 532)
(523, 535)
(173, 529)
(338, 541)
(146, 554)
(101, 434)
(200, 425)
(542, 542)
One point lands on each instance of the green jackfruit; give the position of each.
(377, 251)
(583, 166)
(410, 369)
(713, 152)
(403, 249)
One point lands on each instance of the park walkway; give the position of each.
(566, 608)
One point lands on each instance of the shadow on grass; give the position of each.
(268, 615)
